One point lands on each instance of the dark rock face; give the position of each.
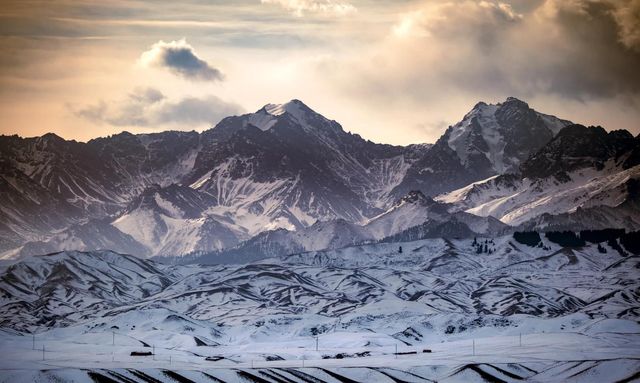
(577, 147)
(28, 208)
(100, 175)
(415, 197)
(524, 129)
(438, 171)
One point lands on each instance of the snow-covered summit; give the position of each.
(491, 139)
(268, 115)
(294, 107)
(501, 135)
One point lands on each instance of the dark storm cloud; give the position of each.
(570, 48)
(180, 58)
(595, 54)
(627, 15)
(148, 107)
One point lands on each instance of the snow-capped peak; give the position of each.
(275, 109)
(268, 115)
(501, 136)
(294, 108)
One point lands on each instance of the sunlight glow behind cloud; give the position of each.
(299, 7)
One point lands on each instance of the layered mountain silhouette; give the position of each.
(289, 179)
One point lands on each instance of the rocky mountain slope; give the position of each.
(284, 166)
(583, 178)
(490, 140)
(403, 221)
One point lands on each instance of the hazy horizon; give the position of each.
(214, 125)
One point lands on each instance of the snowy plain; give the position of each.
(568, 356)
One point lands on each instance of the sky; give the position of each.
(393, 71)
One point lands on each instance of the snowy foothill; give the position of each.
(483, 309)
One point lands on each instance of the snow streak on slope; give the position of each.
(411, 210)
(458, 140)
(174, 220)
(253, 205)
(515, 201)
(413, 217)
(494, 132)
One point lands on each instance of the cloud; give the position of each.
(192, 110)
(592, 53)
(474, 20)
(503, 10)
(299, 7)
(627, 15)
(401, 63)
(577, 49)
(439, 58)
(180, 58)
(148, 107)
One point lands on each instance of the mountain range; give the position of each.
(287, 179)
